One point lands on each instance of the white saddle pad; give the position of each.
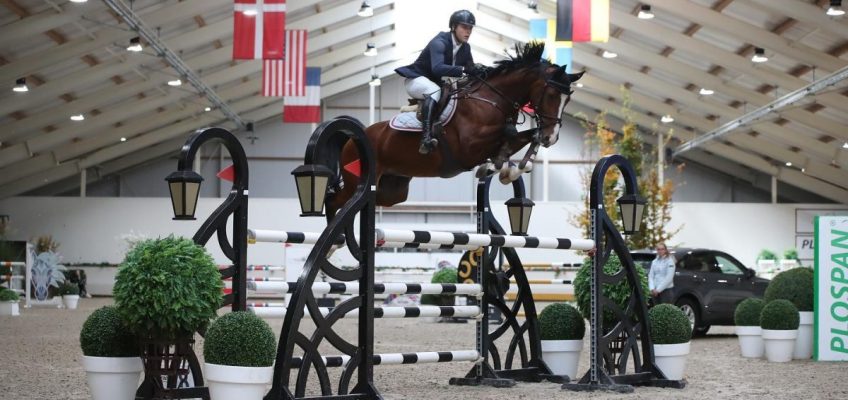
(406, 121)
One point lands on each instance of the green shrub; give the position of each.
(104, 335)
(780, 315)
(9, 295)
(69, 288)
(240, 339)
(795, 285)
(748, 312)
(766, 254)
(669, 325)
(561, 321)
(619, 293)
(167, 288)
(791, 254)
(445, 275)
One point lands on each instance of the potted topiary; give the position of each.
(766, 263)
(70, 295)
(165, 290)
(239, 350)
(561, 331)
(9, 302)
(619, 293)
(796, 285)
(670, 333)
(747, 319)
(110, 356)
(444, 275)
(779, 321)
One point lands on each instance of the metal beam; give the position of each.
(127, 14)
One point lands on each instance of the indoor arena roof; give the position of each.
(785, 118)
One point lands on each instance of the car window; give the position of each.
(698, 262)
(728, 266)
(643, 260)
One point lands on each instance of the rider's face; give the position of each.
(462, 32)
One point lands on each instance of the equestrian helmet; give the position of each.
(462, 17)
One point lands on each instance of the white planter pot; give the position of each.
(243, 383)
(113, 378)
(779, 344)
(71, 301)
(671, 359)
(804, 341)
(9, 308)
(750, 341)
(562, 356)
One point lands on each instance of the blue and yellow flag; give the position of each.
(559, 52)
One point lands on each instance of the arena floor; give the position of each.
(40, 358)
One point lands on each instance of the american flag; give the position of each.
(287, 77)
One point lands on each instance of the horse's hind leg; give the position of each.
(392, 189)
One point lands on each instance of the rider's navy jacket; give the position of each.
(436, 60)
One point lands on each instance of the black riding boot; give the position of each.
(428, 142)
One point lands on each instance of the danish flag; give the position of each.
(258, 29)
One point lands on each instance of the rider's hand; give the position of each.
(475, 70)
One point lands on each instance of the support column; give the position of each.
(83, 181)
(660, 158)
(773, 190)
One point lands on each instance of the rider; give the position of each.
(447, 54)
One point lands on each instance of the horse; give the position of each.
(488, 107)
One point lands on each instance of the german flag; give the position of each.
(582, 20)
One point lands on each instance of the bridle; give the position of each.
(540, 118)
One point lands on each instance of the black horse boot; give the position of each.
(428, 142)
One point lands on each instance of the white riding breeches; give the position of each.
(421, 87)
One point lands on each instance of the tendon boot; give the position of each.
(428, 142)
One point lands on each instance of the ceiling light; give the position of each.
(375, 81)
(370, 50)
(78, 1)
(666, 119)
(123, 139)
(365, 10)
(609, 54)
(835, 9)
(78, 117)
(20, 86)
(804, 170)
(705, 92)
(645, 12)
(578, 84)
(759, 55)
(250, 12)
(207, 109)
(135, 45)
(789, 163)
(845, 145)
(175, 82)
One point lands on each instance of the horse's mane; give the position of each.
(526, 55)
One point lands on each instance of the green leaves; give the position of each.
(669, 325)
(104, 335)
(795, 285)
(446, 275)
(9, 295)
(561, 321)
(780, 315)
(618, 293)
(167, 287)
(240, 339)
(748, 312)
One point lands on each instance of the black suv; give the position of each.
(708, 284)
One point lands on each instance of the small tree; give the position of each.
(655, 226)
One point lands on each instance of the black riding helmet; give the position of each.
(462, 17)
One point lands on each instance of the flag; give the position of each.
(295, 62)
(258, 28)
(273, 78)
(559, 52)
(582, 20)
(305, 108)
(227, 174)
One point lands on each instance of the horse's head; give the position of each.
(548, 98)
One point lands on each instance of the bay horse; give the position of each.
(487, 107)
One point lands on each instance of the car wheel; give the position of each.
(693, 312)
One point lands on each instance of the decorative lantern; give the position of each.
(311, 183)
(185, 188)
(519, 209)
(631, 206)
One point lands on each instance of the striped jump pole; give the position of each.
(382, 312)
(546, 281)
(479, 239)
(426, 357)
(272, 236)
(321, 288)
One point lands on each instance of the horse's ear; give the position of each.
(575, 77)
